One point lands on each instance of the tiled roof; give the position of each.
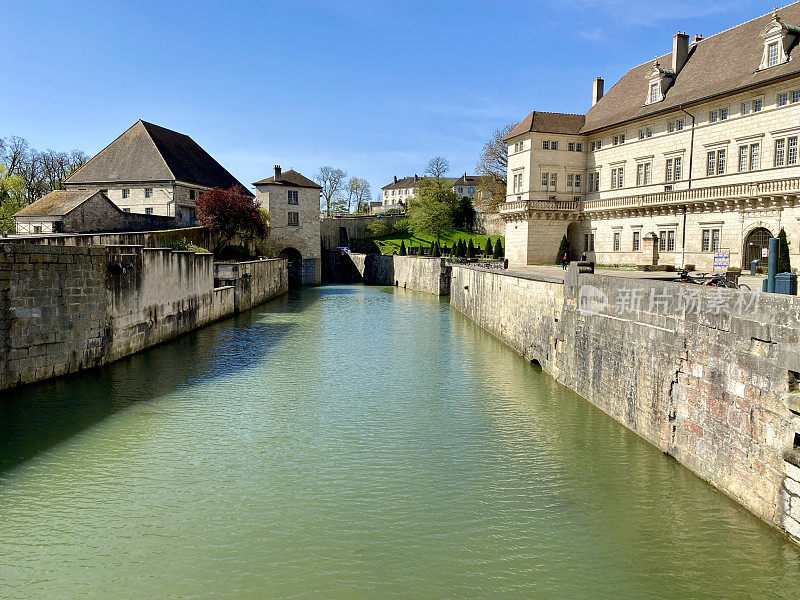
(410, 182)
(468, 180)
(57, 203)
(290, 178)
(717, 65)
(148, 153)
(548, 122)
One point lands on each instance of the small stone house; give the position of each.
(82, 211)
(293, 202)
(153, 170)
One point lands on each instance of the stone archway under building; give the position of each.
(754, 243)
(295, 259)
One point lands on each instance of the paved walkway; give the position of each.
(555, 273)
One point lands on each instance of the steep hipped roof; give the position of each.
(59, 203)
(150, 153)
(548, 122)
(290, 178)
(720, 64)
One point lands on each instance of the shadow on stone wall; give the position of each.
(39, 416)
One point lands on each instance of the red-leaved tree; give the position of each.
(228, 213)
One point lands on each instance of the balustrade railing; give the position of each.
(716, 192)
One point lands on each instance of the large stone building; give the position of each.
(293, 201)
(153, 170)
(396, 194)
(689, 159)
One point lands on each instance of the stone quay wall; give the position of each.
(426, 274)
(712, 386)
(68, 308)
(254, 281)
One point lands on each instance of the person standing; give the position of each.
(564, 261)
(583, 257)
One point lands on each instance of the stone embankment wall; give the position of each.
(489, 224)
(64, 309)
(254, 281)
(429, 275)
(709, 379)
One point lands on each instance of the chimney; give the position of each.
(277, 173)
(395, 178)
(416, 178)
(697, 37)
(680, 51)
(597, 90)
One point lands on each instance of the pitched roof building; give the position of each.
(153, 170)
(82, 211)
(293, 202)
(679, 163)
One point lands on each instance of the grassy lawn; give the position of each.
(391, 243)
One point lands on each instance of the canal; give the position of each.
(354, 442)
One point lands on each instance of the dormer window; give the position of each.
(778, 38)
(654, 92)
(772, 54)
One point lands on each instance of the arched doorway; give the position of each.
(754, 243)
(295, 265)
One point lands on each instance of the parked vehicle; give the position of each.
(341, 250)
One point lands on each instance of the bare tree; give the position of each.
(438, 166)
(331, 180)
(492, 167)
(358, 194)
(40, 172)
(14, 150)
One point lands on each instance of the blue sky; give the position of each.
(374, 88)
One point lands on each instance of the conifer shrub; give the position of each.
(784, 264)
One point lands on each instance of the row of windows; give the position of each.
(709, 242)
(714, 116)
(571, 146)
(148, 210)
(550, 182)
(148, 192)
(786, 153)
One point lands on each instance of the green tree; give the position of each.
(784, 264)
(563, 248)
(431, 213)
(463, 213)
(499, 252)
(12, 198)
(436, 250)
(470, 249)
(461, 250)
(487, 249)
(402, 248)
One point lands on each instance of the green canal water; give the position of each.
(354, 442)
